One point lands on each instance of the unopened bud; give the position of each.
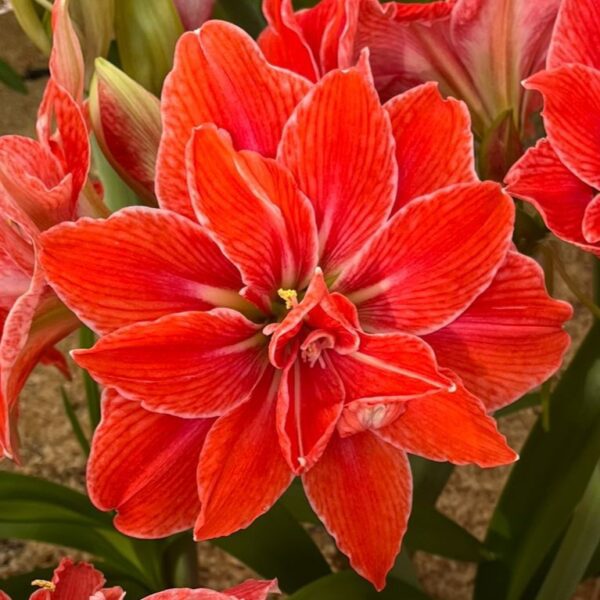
(146, 32)
(126, 121)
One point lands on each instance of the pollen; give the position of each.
(45, 585)
(290, 297)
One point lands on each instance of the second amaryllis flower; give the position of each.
(334, 294)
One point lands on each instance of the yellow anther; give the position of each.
(45, 585)
(290, 297)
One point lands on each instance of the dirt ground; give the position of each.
(50, 451)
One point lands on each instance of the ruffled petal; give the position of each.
(576, 36)
(361, 489)
(72, 580)
(194, 364)
(242, 455)
(391, 365)
(35, 323)
(339, 146)
(283, 43)
(254, 211)
(153, 262)
(572, 117)
(449, 426)
(591, 221)
(33, 180)
(143, 464)
(433, 258)
(310, 401)
(253, 589)
(540, 178)
(434, 143)
(221, 77)
(510, 339)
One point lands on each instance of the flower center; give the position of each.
(289, 296)
(43, 584)
(313, 346)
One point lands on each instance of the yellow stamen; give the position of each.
(45, 585)
(290, 297)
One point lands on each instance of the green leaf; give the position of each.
(275, 545)
(19, 586)
(10, 78)
(34, 509)
(548, 481)
(347, 585)
(429, 479)
(577, 548)
(244, 13)
(297, 505)
(431, 531)
(75, 425)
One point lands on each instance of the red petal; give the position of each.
(35, 323)
(33, 179)
(501, 43)
(254, 210)
(510, 339)
(310, 402)
(194, 364)
(143, 464)
(153, 262)
(72, 580)
(188, 594)
(361, 490)
(393, 365)
(283, 43)
(66, 58)
(69, 141)
(339, 146)
(254, 589)
(431, 260)
(559, 195)
(591, 220)
(242, 455)
(449, 426)
(576, 36)
(220, 77)
(434, 132)
(572, 117)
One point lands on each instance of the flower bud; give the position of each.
(95, 24)
(146, 32)
(194, 12)
(30, 22)
(126, 121)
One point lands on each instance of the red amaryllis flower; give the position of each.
(477, 50)
(41, 183)
(249, 590)
(351, 300)
(81, 581)
(74, 581)
(560, 176)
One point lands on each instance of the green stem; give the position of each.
(75, 425)
(572, 285)
(92, 392)
(181, 562)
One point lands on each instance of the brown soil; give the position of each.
(50, 451)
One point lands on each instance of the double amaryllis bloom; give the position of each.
(560, 176)
(477, 50)
(42, 183)
(81, 581)
(326, 287)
